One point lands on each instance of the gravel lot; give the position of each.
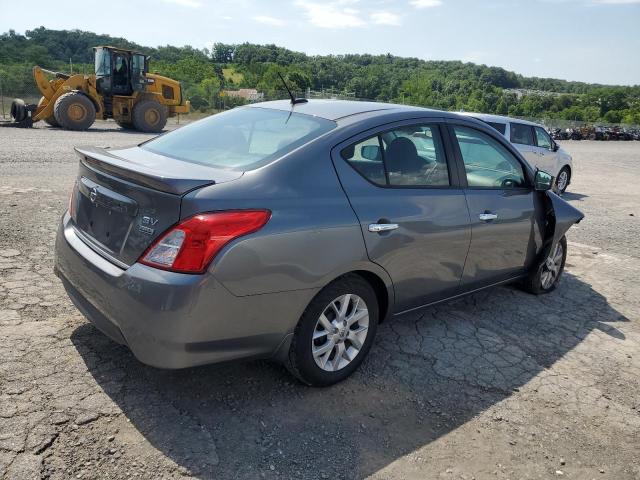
(498, 385)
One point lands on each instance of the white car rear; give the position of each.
(535, 144)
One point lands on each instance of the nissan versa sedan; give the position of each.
(290, 231)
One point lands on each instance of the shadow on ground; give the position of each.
(573, 196)
(427, 374)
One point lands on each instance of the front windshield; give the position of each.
(103, 62)
(240, 139)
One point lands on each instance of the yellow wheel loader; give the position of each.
(121, 88)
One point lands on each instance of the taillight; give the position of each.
(189, 246)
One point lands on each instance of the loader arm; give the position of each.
(42, 82)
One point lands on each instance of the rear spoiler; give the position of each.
(162, 173)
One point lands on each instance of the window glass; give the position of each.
(488, 163)
(407, 156)
(102, 62)
(137, 71)
(544, 140)
(522, 134)
(366, 158)
(414, 156)
(241, 139)
(500, 127)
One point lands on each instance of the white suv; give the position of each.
(535, 144)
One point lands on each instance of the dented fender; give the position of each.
(562, 216)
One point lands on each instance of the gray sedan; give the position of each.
(290, 231)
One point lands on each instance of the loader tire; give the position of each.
(18, 110)
(149, 116)
(74, 111)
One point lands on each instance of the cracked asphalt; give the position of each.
(500, 384)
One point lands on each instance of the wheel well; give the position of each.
(380, 288)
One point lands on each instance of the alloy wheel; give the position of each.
(563, 178)
(340, 332)
(551, 267)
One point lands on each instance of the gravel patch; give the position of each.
(500, 384)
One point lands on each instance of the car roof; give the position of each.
(498, 118)
(337, 109)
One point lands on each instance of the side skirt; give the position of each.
(460, 295)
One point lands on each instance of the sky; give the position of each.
(595, 41)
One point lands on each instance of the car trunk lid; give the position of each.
(124, 199)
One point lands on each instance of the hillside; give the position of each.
(450, 85)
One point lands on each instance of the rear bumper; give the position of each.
(173, 320)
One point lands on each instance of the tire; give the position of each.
(74, 111)
(340, 355)
(18, 110)
(535, 282)
(563, 179)
(149, 116)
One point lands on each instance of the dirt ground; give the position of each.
(499, 385)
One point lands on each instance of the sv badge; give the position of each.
(146, 225)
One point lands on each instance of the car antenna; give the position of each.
(294, 100)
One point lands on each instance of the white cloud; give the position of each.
(336, 14)
(186, 3)
(386, 18)
(271, 21)
(597, 2)
(425, 3)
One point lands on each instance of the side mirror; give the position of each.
(555, 147)
(542, 181)
(370, 152)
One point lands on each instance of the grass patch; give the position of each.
(231, 75)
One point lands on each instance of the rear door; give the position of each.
(522, 137)
(411, 209)
(501, 206)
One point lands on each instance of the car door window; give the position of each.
(411, 156)
(366, 158)
(487, 163)
(500, 127)
(522, 134)
(543, 138)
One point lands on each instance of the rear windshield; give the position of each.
(240, 139)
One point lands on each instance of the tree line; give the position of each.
(448, 85)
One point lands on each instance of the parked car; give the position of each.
(536, 145)
(290, 232)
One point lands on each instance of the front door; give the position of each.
(501, 206)
(121, 77)
(412, 211)
(547, 158)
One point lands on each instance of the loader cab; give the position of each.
(120, 72)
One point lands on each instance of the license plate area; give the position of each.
(104, 215)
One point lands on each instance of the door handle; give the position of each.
(487, 216)
(382, 227)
